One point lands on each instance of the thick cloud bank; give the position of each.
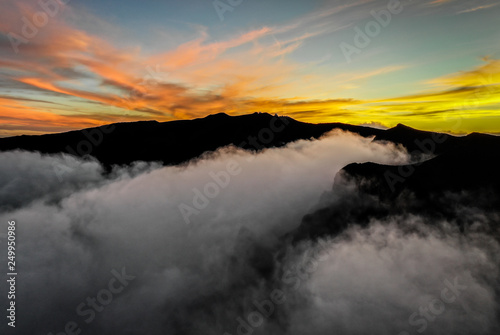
(202, 249)
(387, 280)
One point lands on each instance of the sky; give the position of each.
(69, 64)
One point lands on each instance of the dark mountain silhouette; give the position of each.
(177, 141)
(457, 173)
(449, 172)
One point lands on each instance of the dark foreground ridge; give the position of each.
(450, 174)
(176, 142)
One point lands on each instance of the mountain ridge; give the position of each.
(175, 142)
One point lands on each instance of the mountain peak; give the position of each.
(217, 116)
(401, 126)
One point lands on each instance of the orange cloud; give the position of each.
(243, 74)
(15, 117)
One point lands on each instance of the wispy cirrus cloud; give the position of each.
(68, 61)
(102, 79)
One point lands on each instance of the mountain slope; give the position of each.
(459, 183)
(177, 141)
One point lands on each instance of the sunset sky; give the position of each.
(434, 64)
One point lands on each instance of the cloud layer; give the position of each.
(207, 276)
